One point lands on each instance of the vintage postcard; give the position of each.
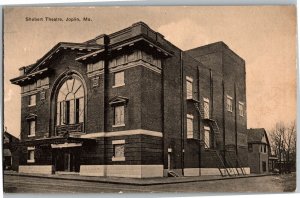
(149, 99)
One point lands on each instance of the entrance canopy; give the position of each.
(59, 141)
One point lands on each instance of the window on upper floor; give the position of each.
(189, 87)
(250, 148)
(32, 126)
(265, 148)
(190, 126)
(70, 103)
(229, 104)
(207, 137)
(206, 108)
(32, 100)
(241, 109)
(119, 116)
(119, 79)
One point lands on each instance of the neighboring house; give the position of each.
(131, 104)
(258, 150)
(10, 152)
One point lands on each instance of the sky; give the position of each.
(264, 36)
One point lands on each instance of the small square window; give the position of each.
(190, 127)
(31, 128)
(119, 79)
(32, 100)
(229, 103)
(118, 150)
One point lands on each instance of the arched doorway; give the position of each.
(68, 115)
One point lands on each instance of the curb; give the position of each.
(136, 183)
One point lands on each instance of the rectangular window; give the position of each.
(58, 111)
(67, 112)
(250, 148)
(119, 116)
(241, 109)
(30, 154)
(118, 150)
(62, 113)
(206, 108)
(72, 112)
(190, 127)
(119, 79)
(189, 88)
(32, 100)
(265, 148)
(31, 128)
(207, 137)
(229, 103)
(81, 110)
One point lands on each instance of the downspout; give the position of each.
(235, 122)
(199, 120)
(182, 114)
(105, 98)
(211, 92)
(163, 113)
(223, 98)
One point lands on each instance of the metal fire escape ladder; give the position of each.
(213, 123)
(218, 159)
(233, 157)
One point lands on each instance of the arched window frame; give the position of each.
(70, 101)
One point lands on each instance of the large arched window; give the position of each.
(70, 102)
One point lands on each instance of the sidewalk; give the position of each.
(133, 181)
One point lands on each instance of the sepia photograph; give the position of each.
(149, 99)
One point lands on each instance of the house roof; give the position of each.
(256, 135)
(10, 135)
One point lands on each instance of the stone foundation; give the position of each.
(133, 171)
(37, 169)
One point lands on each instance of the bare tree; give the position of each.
(283, 141)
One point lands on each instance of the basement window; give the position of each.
(30, 154)
(118, 150)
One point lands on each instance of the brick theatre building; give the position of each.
(131, 104)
